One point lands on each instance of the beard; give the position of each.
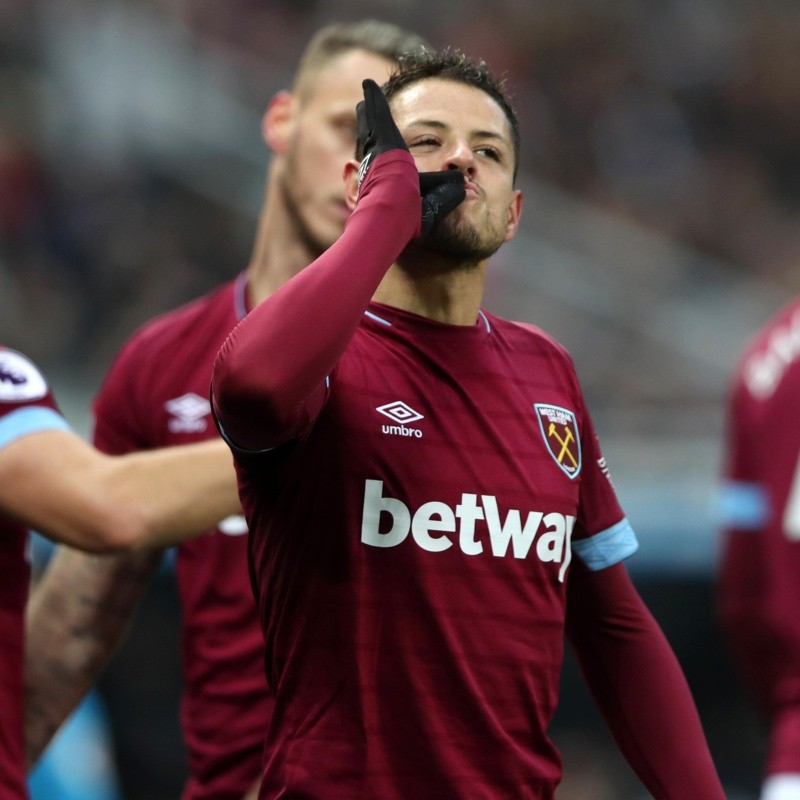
(459, 240)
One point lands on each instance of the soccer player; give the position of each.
(225, 704)
(759, 581)
(53, 480)
(430, 511)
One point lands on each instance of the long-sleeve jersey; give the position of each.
(759, 585)
(155, 395)
(415, 493)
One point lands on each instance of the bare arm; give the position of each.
(253, 793)
(60, 485)
(75, 620)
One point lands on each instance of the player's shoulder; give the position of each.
(20, 379)
(197, 318)
(213, 307)
(24, 386)
(772, 352)
(530, 337)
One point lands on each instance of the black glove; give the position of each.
(377, 133)
(441, 193)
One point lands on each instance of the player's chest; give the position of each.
(474, 426)
(180, 404)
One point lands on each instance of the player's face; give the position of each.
(449, 125)
(321, 143)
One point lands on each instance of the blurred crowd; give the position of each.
(680, 115)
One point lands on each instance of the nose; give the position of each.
(461, 158)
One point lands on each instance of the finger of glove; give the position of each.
(385, 133)
(445, 195)
(362, 126)
(428, 181)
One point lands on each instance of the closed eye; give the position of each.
(425, 141)
(490, 152)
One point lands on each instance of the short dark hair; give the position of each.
(372, 36)
(455, 65)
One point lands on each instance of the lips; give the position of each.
(471, 188)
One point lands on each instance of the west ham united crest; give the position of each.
(560, 431)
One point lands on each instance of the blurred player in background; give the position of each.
(156, 393)
(53, 480)
(759, 582)
(418, 473)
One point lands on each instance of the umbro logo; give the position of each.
(189, 412)
(402, 414)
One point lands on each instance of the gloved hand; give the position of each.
(441, 193)
(376, 133)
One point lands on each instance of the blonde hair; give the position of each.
(380, 38)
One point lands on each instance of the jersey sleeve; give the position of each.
(603, 535)
(638, 685)
(27, 404)
(269, 377)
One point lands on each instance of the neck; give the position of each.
(279, 252)
(452, 296)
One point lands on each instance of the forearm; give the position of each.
(76, 618)
(174, 492)
(286, 347)
(63, 487)
(638, 685)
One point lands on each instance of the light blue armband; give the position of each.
(30, 419)
(742, 505)
(608, 547)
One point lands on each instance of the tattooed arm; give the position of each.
(76, 617)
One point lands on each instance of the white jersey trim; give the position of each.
(389, 324)
(240, 297)
(378, 319)
(608, 547)
(27, 420)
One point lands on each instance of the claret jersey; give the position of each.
(26, 407)
(156, 394)
(759, 590)
(413, 611)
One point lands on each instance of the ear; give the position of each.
(514, 214)
(351, 183)
(277, 122)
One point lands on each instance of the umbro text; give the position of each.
(400, 430)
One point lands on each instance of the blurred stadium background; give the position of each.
(661, 167)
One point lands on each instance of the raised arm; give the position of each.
(638, 685)
(60, 485)
(280, 354)
(268, 381)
